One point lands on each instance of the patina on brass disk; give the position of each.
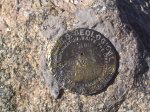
(83, 61)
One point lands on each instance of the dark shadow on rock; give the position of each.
(136, 15)
(139, 20)
(61, 92)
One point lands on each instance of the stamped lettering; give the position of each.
(83, 61)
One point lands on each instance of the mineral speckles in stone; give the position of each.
(84, 61)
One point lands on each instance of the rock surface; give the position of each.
(29, 30)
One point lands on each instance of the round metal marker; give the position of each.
(83, 61)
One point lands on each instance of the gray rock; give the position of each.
(25, 63)
(135, 14)
(1, 42)
(86, 18)
(53, 27)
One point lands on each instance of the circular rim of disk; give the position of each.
(84, 61)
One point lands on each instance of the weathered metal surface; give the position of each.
(83, 61)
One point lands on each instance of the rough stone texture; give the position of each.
(30, 28)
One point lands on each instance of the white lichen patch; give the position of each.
(50, 81)
(86, 18)
(51, 29)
